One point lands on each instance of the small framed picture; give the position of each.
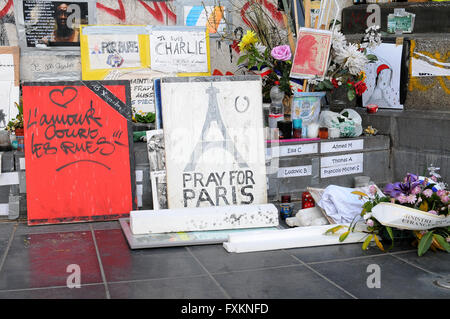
(159, 189)
(311, 54)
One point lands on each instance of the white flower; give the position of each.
(260, 48)
(352, 58)
(367, 216)
(339, 40)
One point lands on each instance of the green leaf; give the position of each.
(442, 242)
(372, 57)
(344, 236)
(328, 84)
(367, 242)
(425, 243)
(241, 59)
(334, 229)
(260, 64)
(391, 235)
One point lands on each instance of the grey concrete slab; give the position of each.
(285, 283)
(398, 280)
(202, 287)
(217, 260)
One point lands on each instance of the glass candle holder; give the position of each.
(323, 132)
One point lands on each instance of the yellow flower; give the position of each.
(248, 39)
(362, 74)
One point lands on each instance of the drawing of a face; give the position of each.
(384, 78)
(61, 15)
(314, 52)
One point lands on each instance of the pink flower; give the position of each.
(428, 192)
(433, 212)
(402, 199)
(440, 193)
(444, 199)
(448, 239)
(416, 190)
(434, 178)
(369, 223)
(411, 199)
(372, 189)
(281, 52)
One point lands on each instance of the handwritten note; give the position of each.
(179, 50)
(77, 149)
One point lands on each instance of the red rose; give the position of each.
(335, 83)
(360, 87)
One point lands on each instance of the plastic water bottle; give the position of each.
(276, 112)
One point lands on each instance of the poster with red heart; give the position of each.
(78, 151)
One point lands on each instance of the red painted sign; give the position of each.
(78, 151)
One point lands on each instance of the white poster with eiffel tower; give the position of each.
(214, 141)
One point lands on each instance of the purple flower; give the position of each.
(444, 199)
(281, 52)
(428, 192)
(432, 212)
(405, 188)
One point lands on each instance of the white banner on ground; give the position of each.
(402, 217)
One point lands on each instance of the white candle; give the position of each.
(313, 130)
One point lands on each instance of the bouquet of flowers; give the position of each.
(273, 64)
(417, 205)
(347, 63)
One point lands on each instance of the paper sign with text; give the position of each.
(291, 150)
(341, 146)
(341, 170)
(331, 161)
(78, 150)
(294, 171)
(180, 50)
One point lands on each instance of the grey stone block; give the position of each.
(410, 161)
(4, 193)
(7, 162)
(140, 153)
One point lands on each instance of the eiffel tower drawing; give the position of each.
(213, 115)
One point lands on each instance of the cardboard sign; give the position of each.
(78, 150)
(214, 140)
(105, 49)
(180, 50)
